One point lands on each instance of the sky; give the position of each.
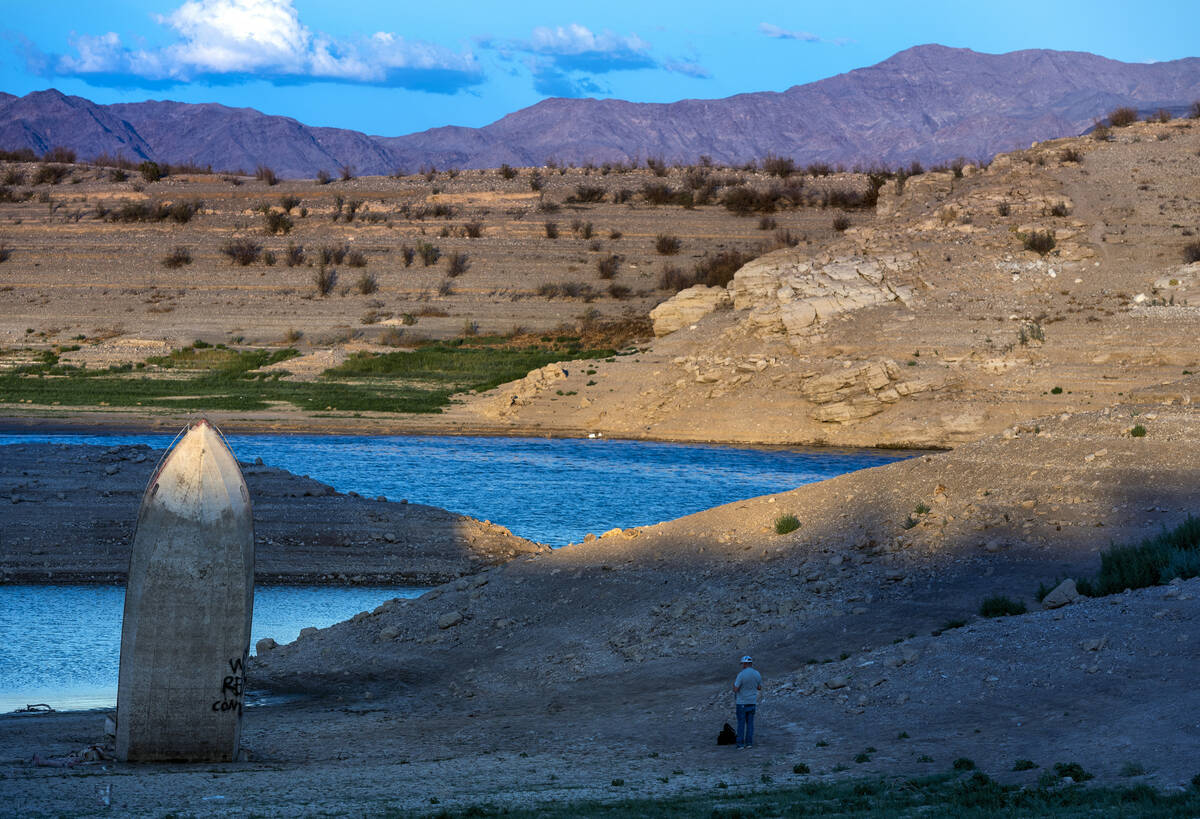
(389, 67)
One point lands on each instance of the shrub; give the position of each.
(294, 255)
(445, 288)
(1101, 132)
(589, 194)
(473, 230)
(1039, 241)
(459, 263)
(59, 153)
(407, 254)
(268, 258)
(5, 252)
(323, 177)
(1003, 209)
(429, 253)
(781, 166)
(242, 251)
(1073, 770)
(325, 278)
(800, 768)
(50, 174)
(657, 193)
(607, 266)
(177, 258)
(507, 172)
(264, 174)
(277, 223)
(366, 284)
(1059, 209)
(1000, 606)
(551, 230)
(584, 230)
(667, 245)
(717, 270)
(1024, 765)
(1120, 117)
(767, 223)
(1138, 431)
(14, 177)
(1191, 253)
(674, 279)
(1194, 111)
(841, 222)
(356, 258)
(816, 169)
(1133, 769)
(347, 173)
(1170, 554)
(963, 764)
(333, 255)
(288, 202)
(1161, 115)
(151, 171)
(619, 291)
(786, 523)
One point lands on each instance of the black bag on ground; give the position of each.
(727, 736)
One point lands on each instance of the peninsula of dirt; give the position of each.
(69, 513)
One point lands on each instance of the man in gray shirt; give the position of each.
(746, 686)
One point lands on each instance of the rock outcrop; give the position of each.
(787, 293)
(687, 307)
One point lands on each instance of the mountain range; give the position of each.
(929, 103)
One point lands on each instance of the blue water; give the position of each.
(61, 644)
(550, 490)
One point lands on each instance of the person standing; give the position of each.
(746, 686)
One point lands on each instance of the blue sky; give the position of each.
(395, 67)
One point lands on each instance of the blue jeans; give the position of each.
(745, 722)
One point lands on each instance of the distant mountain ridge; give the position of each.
(929, 103)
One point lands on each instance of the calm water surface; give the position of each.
(61, 644)
(549, 490)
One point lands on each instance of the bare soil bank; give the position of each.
(69, 513)
(552, 676)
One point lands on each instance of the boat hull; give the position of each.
(188, 608)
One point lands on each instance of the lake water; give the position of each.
(61, 644)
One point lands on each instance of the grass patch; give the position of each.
(1001, 606)
(786, 523)
(1159, 559)
(217, 378)
(972, 797)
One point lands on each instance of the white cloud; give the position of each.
(223, 40)
(577, 39)
(779, 33)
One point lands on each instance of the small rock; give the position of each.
(389, 633)
(450, 619)
(307, 631)
(264, 645)
(111, 469)
(834, 683)
(390, 537)
(1063, 594)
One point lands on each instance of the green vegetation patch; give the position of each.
(205, 377)
(1159, 559)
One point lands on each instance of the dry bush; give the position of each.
(551, 230)
(294, 255)
(347, 173)
(473, 230)
(356, 258)
(1161, 115)
(429, 253)
(841, 222)
(5, 252)
(288, 202)
(781, 166)
(325, 279)
(323, 177)
(1120, 117)
(458, 264)
(607, 266)
(242, 251)
(407, 254)
(177, 258)
(587, 194)
(1191, 253)
(366, 284)
(276, 223)
(667, 245)
(264, 174)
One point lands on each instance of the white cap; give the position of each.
(748, 659)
